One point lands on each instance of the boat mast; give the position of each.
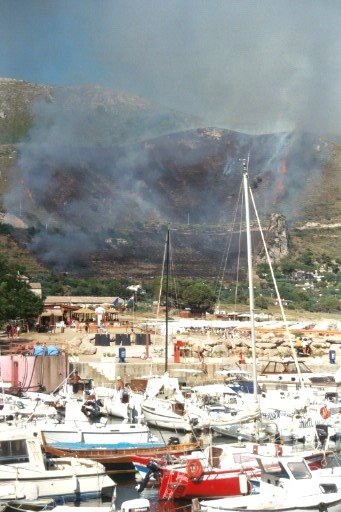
(250, 275)
(167, 293)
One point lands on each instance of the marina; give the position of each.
(169, 425)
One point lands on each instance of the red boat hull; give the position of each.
(176, 484)
(194, 479)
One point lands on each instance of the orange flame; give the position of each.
(280, 186)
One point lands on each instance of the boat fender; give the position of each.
(194, 469)
(173, 440)
(325, 413)
(243, 484)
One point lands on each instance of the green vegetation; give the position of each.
(17, 301)
(53, 284)
(199, 297)
(308, 282)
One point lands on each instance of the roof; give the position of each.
(78, 301)
(36, 286)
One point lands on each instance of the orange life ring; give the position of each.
(194, 469)
(325, 413)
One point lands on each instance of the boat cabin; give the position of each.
(273, 470)
(285, 371)
(19, 447)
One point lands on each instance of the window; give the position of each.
(13, 451)
(299, 470)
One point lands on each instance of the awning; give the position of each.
(52, 312)
(84, 311)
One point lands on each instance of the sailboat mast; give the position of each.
(250, 275)
(167, 293)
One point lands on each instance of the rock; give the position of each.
(87, 349)
(276, 240)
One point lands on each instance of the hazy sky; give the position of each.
(248, 64)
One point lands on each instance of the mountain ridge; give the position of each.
(139, 175)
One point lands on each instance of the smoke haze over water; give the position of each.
(253, 66)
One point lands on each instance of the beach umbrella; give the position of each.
(84, 311)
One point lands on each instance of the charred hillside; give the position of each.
(90, 188)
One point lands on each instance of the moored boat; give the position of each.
(118, 458)
(77, 429)
(286, 484)
(25, 472)
(215, 472)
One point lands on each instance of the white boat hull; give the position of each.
(72, 479)
(165, 418)
(257, 503)
(101, 435)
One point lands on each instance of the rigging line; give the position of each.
(174, 279)
(24, 378)
(64, 381)
(239, 252)
(289, 335)
(228, 240)
(34, 365)
(228, 243)
(161, 282)
(42, 367)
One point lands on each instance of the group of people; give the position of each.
(13, 330)
(303, 347)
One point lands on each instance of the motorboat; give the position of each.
(216, 470)
(164, 406)
(120, 402)
(240, 381)
(134, 505)
(258, 430)
(26, 473)
(76, 428)
(287, 373)
(285, 484)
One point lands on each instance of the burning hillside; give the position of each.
(93, 183)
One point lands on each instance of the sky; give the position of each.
(254, 65)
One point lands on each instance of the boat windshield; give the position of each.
(285, 367)
(243, 458)
(295, 469)
(299, 470)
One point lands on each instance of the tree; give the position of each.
(261, 302)
(288, 265)
(199, 297)
(17, 301)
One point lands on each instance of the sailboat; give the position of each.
(223, 470)
(255, 430)
(164, 405)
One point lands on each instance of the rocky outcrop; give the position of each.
(276, 239)
(82, 345)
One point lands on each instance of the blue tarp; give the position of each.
(40, 350)
(52, 350)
